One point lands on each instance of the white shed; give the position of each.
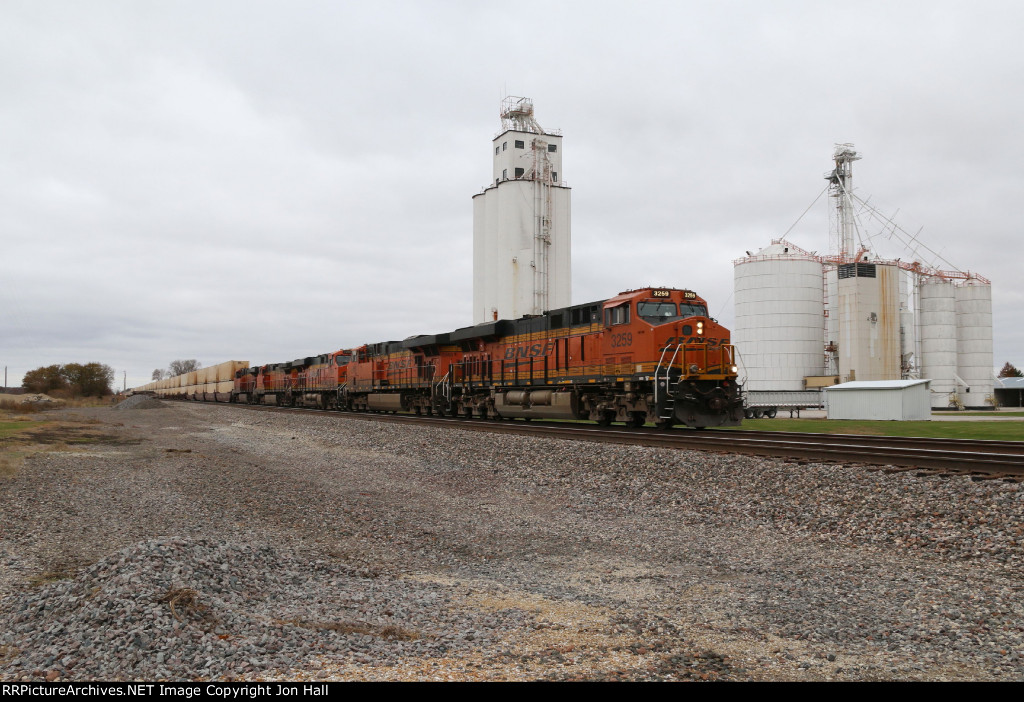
(880, 399)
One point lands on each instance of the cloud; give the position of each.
(249, 179)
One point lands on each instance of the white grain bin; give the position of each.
(899, 400)
(974, 342)
(779, 323)
(938, 337)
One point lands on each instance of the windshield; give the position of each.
(661, 311)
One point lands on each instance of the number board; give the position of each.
(661, 293)
(689, 295)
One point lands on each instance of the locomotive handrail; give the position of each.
(446, 392)
(656, 370)
(668, 369)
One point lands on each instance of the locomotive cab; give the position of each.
(662, 341)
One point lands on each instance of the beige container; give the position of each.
(225, 386)
(226, 371)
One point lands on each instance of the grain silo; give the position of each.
(973, 301)
(937, 327)
(779, 317)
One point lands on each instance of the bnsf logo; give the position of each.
(402, 364)
(513, 352)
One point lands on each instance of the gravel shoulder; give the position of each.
(214, 542)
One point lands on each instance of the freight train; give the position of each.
(651, 355)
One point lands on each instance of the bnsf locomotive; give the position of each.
(649, 355)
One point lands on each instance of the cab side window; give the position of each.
(617, 315)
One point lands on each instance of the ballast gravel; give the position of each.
(139, 402)
(207, 542)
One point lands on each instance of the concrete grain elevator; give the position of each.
(521, 222)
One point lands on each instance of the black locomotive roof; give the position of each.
(502, 327)
(424, 340)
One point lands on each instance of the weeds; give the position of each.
(52, 575)
(12, 405)
(390, 632)
(184, 597)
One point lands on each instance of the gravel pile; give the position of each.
(500, 557)
(139, 402)
(197, 609)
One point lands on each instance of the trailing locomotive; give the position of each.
(648, 355)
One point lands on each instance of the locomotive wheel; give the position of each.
(636, 420)
(606, 419)
(664, 424)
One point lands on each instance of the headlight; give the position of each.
(733, 369)
(700, 327)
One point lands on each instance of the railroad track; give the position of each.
(981, 459)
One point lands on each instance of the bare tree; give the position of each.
(180, 367)
(159, 374)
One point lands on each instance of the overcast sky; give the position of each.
(260, 181)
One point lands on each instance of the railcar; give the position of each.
(649, 355)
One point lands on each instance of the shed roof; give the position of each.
(1011, 383)
(876, 385)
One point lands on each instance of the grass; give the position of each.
(996, 431)
(10, 427)
(22, 435)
